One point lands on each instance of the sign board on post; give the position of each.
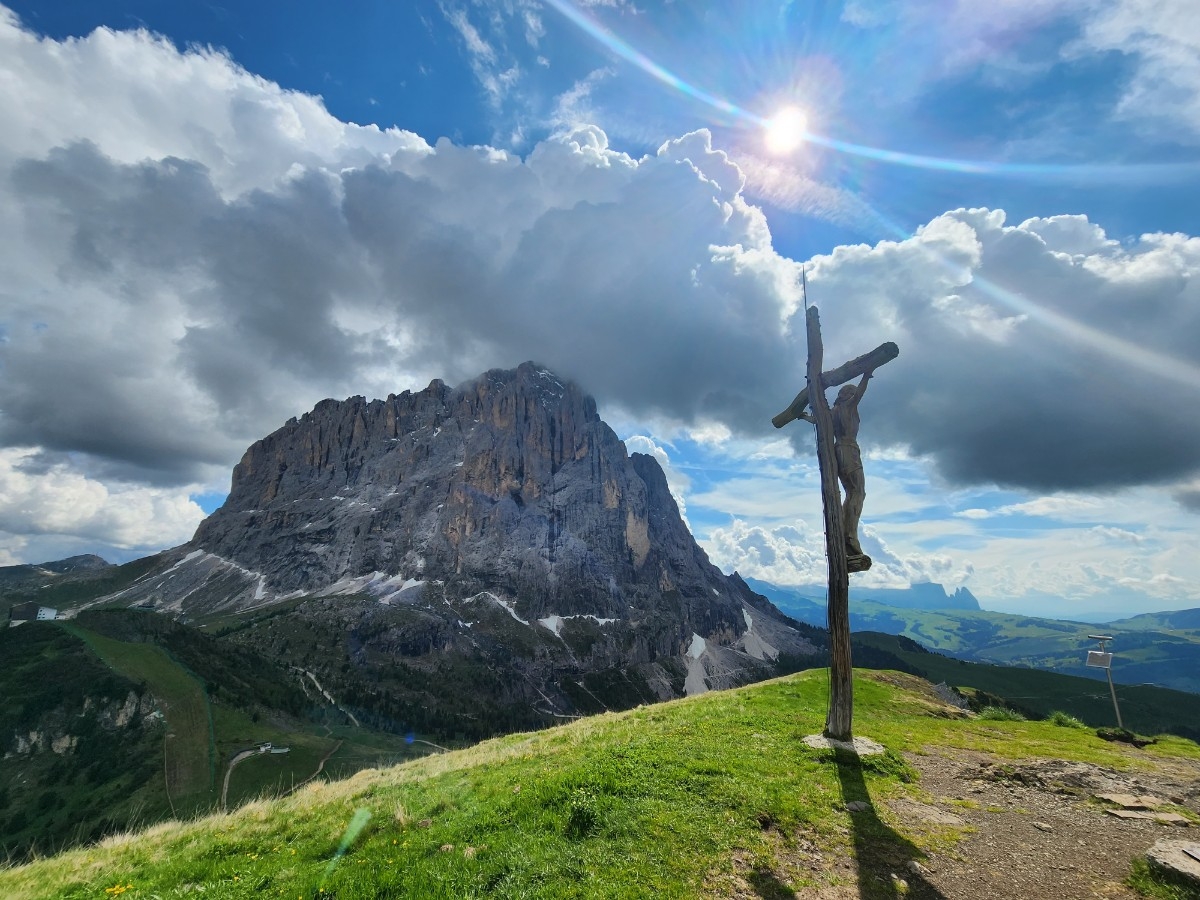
(1102, 659)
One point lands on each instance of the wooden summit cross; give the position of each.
(838, 459)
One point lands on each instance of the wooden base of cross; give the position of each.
(841, 563)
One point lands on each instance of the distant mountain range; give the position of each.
(1154, 648)
(926, 595)
(14, 576)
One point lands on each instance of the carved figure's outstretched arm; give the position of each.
(862, 386)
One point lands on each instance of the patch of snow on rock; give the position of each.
(753, 643)
(696, 650)
(694, 683)
(555, 622)
(395, 587)
(371, 584)
(509, 608)
(195, 554)
(506, 605)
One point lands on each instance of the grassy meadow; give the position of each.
(190, 752)
(1147, 709)
(672, 800)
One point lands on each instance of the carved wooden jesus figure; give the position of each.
(849, 465)
(849, 459)
(843, 422)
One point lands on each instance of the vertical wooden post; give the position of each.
(841, 687)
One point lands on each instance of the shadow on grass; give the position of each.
(768, 886)
(881, 853)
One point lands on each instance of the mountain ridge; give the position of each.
(921, 595)
(501, 521)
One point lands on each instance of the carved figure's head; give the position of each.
(846, 393)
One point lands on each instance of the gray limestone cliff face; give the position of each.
(511, 480)
(465, 513)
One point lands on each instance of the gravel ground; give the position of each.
(1033, 830)
(1038, 832)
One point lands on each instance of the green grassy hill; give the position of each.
(681, 799)
(77, 760)
(1037, 693)
(1175, 620)
(189, 763)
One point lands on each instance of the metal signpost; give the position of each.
(1102, 659)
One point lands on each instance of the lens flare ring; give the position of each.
(1087, 171)
(1173, 368)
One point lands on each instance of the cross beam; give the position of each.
(861, 365)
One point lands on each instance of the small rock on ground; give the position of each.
(1171, 855)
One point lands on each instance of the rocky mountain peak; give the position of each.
(507, 490)
(513, 470)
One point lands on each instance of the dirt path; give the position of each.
(244, 754)
(1029, 829)
(320, 769)
(328, 696)
(1037, 829)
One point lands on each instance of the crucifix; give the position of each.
(839, 459)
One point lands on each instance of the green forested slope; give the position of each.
(121, 717)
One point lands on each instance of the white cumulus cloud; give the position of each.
(190, 254)
(59, 502)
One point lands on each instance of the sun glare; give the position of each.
(786, 131)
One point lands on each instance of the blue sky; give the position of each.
(217, 215)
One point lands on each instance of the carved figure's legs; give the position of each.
(854, 482)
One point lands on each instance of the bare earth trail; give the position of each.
(247, 754)
(244, 754)
(320, 768)
(1038, 830)
(1032, 829)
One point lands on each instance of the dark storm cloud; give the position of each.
(178, 282)
(1041, 356)
(192, 324)
(654, 290)
(184, 323)
(179, 318)
(1189, 498)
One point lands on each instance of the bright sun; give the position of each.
(786, 131)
